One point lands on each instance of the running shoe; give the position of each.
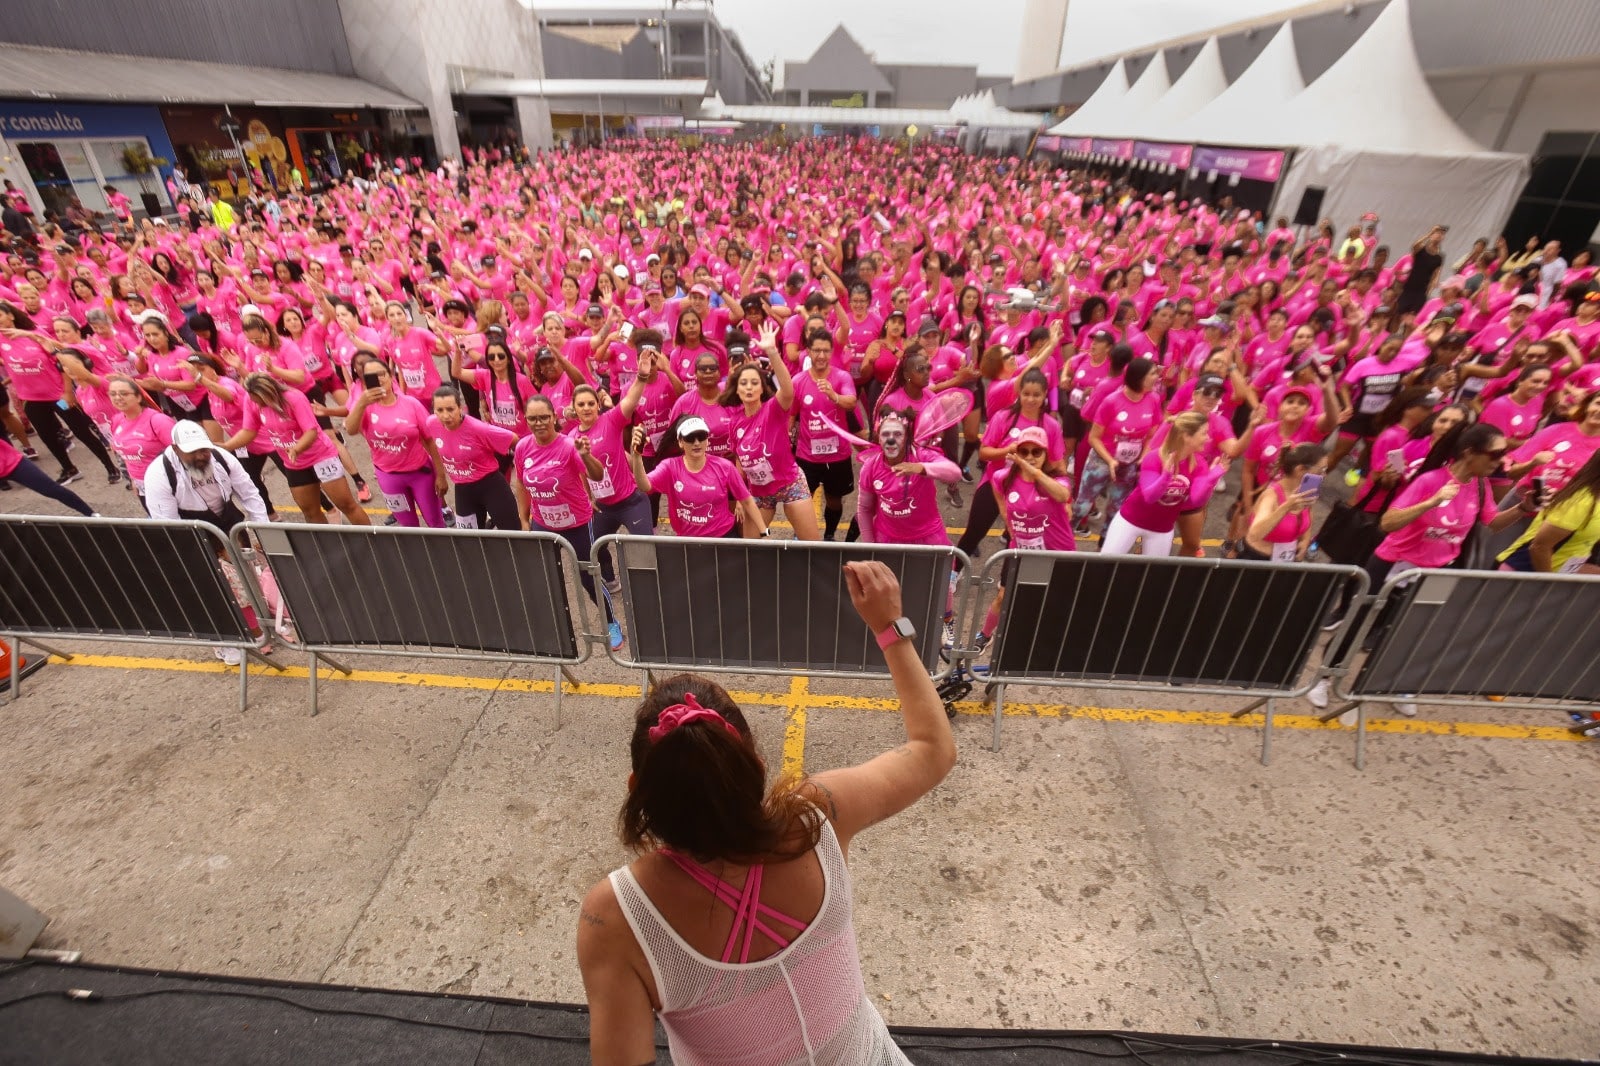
(1352, 477)
(1318, 696)
(30, 453)
(953, 494)
(113, 477)
(69, 475)
(949, 631)
(614, 632)
(1405, 707)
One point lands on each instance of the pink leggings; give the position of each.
(411, 493)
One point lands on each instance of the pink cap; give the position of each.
(1033, 435)
(1454, 281)
(1527, 300)
(700, 290)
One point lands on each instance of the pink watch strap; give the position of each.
(889, 636)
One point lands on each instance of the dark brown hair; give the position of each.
(703, 793)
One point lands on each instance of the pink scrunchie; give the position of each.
(683, 713)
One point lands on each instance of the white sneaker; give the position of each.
(1318, 696)
(1409, 710)
(1348, 717)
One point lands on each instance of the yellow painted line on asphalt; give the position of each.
(794, 729)
(799, 699)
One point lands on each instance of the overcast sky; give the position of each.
(985, 32)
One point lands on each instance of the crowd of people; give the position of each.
(568, 341)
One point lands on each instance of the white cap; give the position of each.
(251, 309)
(148, 314)
(620, 271)
(584, 253)
(652, 258)
(189, 437)
(692, 424)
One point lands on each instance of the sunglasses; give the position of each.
(538, 420)
(699, 436)
(1496, 454)
(1031, 452)
(708, 369)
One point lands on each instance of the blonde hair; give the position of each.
(1184, 424)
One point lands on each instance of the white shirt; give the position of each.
(166, 496)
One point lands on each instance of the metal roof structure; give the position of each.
(55, 73)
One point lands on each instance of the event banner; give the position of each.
(1258, 166)
(1047, 143)
(1114, 149)
(1077, 145)
(1173, 154)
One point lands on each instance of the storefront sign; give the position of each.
(1258, 166)
(1176, 155)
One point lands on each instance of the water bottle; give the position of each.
(1311, 552)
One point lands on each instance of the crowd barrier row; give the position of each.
(1167, 625)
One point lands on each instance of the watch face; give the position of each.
(904, 627)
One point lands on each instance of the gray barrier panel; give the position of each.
(1456, 634)
(437, 593)
(771, 607)
(1220, 626)
(139, 581)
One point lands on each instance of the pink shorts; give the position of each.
(797, 491)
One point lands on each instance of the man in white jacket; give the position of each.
(195, 479)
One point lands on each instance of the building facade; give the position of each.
(844, 74)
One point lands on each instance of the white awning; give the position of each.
(1100, 104)
(618, 88)
(56, 73)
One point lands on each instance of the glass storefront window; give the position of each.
(74, 172)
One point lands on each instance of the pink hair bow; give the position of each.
(680, 714)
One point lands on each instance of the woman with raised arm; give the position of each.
(772, 975)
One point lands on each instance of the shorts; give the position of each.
(836, 479)
(1360, 427)
(308, 475)
(201, 413)
(796, 492)
(1072, 426)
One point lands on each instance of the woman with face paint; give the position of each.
(472, 452)
(760, 423)
(825, 391)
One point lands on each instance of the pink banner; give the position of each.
(1076, 145)
(1047, 143)
(1114, 149)
(1258, 166)
(1175, 154)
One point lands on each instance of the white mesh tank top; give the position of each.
(806, 1004)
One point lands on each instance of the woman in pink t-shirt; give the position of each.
(1556, 452)
(701, 400)
(1172, 479)
(899, 499)
(472, 453)
(1121, 424)
(502, 389)
(706, 495)
(411, 474)
(1035, 499)
(760, 432)
(1000, 437)
(139, 432)
(825, 391)
(410, 349)
(303, 452)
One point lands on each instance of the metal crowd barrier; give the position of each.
(429, 593)
(1213, 626)
(768, 607)
(1453, 637)
(133, 581)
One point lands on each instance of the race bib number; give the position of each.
(757, 471)
(412, 378)
(1372, 405)
(396, 504)
(603, 489)
(1285, 553)
(1075, 398)
(466, 521)
(505, 414)
(329, 470)
(182, 401)
(827, 445)
(1127, 451)
(556, 516)
(1028, 544)
(242, 453)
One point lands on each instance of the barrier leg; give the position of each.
(999, 710)
(1266, 736)
(571, 679)
(1361, 736)
(16, 668)
(319, 657)
(16, 648)
(559, 674)
(244, 682)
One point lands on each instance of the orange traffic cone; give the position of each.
(5, 661)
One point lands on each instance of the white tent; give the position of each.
(1377, 140)
(1116, 118)
(1273, 77)
(1104, 99)
(1202, 83)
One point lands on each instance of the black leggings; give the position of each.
(254, 465)
(583, 546)
(488, 500)
(981, 519)
(47, 419)
(30, 476)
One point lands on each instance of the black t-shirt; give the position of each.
(1423, 266)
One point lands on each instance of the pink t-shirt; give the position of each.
(1035, 521)
(1433, 539)
(904, 507)
(608, 443)
(1516, 421)
(140, 439)
(342, 348)
(284, 428)
(287, 356)
(394, 434)
(553, 475)
(411, 356)
(697, 503)
(229, 414)
(719, 420)
(1004, 427)
(34, 373)
(1127, 425)
(470, 450)
(1571, 448)
(815, 442)
(761, 447)
(654, 412)
(1161, 496)
(504, 406)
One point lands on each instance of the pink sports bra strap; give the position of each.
(748, 910)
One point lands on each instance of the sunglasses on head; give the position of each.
(699, 436)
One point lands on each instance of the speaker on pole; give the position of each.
(1310, 209)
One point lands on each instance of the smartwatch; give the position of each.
(900, 629)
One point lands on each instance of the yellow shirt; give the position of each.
(1581, 514)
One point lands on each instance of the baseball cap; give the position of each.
(1209, 383)
(584, 253)
(1527, 300)
(927, 325)
(693, 424)
(620, 271)
(544, 353)
(1216, 322)
(699, 290)
(189, 437)
(1035, 436)
(1297, 390)
(594, 309)
(652, 258)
